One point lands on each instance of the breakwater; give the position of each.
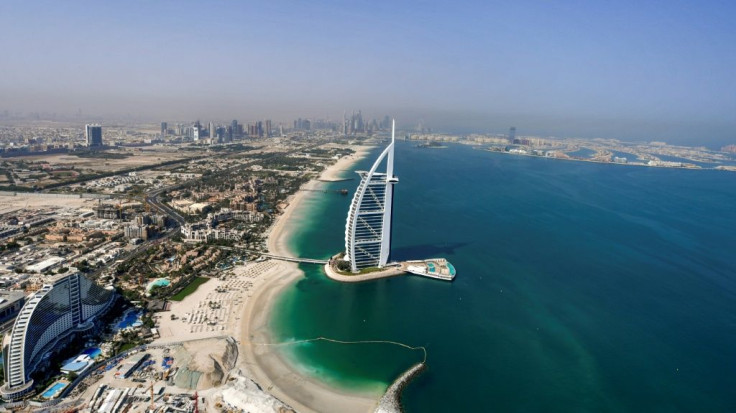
(391, 400)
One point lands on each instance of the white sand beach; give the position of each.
(264, 363)
(239, 303)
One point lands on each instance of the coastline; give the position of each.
(261, 359)
(356, 278)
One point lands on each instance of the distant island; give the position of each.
(614, 151)
(432, 145)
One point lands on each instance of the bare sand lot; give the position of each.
(10, 203)
(133, 159)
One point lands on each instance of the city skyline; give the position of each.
(633, 72)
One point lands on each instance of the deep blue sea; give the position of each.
(580, 287)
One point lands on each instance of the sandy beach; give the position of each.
(238, 304)
(262, 361)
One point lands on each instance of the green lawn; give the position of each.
(192, 287)
(361, 272)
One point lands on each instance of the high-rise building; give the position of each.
(512, 134)
(68, 304)
(236, 130)
(268, 128)
(93, 134)
(196, 131)
(212, 132)
(164, 129)
(368, 227)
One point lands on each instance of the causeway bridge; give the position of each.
(295, 259)
(276, 257)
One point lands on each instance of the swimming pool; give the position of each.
(158, 282)
(131, 317)
(54, 390)
(92, 352)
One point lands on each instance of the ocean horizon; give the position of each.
(580, 286)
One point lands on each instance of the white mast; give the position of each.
(390, 161)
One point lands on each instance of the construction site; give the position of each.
(186, 376)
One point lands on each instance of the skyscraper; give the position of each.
(368, 227)
(93, 134)
(512, 134)
(268, 128)
(196, 131)
(164, 129)
(237, 130)
(67, 304)
(212, 132)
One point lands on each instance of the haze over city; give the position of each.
(633, 71)
(367, 206)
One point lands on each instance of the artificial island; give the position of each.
(368, 231)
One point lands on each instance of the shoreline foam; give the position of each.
(265, 364)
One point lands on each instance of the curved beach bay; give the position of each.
(266, 356)
(584, 287)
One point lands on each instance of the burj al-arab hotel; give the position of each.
(368, 228)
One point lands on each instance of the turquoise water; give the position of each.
(159, 282)
(580, 287)
(53, 391)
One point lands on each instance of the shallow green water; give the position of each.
(580, 287)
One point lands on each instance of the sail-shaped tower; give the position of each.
(368, 228)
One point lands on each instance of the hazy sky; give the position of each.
(634, 70)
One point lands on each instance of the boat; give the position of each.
(437, 268)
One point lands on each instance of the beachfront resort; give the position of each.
(187, 329)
